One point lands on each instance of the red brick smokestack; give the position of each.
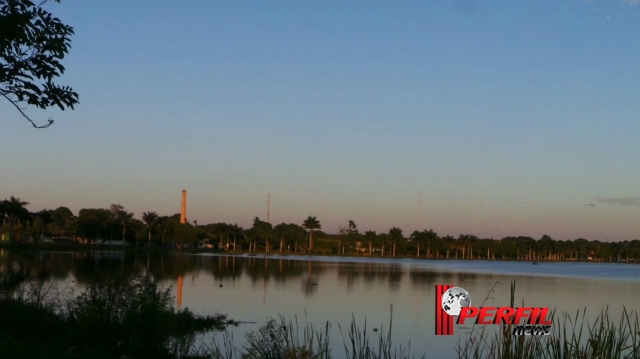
(183, 207)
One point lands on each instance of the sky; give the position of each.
(500, 117)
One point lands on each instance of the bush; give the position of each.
(122, 317)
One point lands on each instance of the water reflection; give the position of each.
(253, 288)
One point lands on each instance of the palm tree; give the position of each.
(137, 227)
(102, 220)
(260, 231)
(125, 218)
(430, 237)
(165, 225)
(419, 238)
(395, 233)
(371, 235)
(3, 215)
(310, 224)
(14, 210)
(223, 235)
(150, 219)
(249, 234)
(450, 241)
(266, 231)
(25, 219)
(235, 230)
(114, 217)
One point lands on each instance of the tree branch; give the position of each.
(25, 116)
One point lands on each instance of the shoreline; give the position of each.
(80, 246)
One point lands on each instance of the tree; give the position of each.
(15, 211)
(418, 238)
(55, 222)
(350, 237)
(395, 233)
(382, 239)
(432, 237)
(352, 228)
(311, 224)
(91, 221)
(125, 218)
(179, 233)
(235, 230)
(62, 218)
(281, 231)
(296, 232)
(121, 216)
(261, 230)
(150, 219)
(137, 227)
(32, 43)
(370, 235)
(184, 233)
(166, 225)
(37, 228)
(3, 216)
(223, 231)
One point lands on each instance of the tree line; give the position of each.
(97, 225)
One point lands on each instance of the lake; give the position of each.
(334, 289)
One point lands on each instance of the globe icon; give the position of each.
(454, 299)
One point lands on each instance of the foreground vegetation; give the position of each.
(132, 317)
(571, 337)
(124, 317)
(286, 339)
(95, 225)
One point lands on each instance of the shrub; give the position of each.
(124, 316)
(134, 316)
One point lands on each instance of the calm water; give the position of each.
(333, 289)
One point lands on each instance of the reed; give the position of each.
(602, 339)
(286, 339)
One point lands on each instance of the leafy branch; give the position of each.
(31, 46)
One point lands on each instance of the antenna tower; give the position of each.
(419, 208)
(268, 204)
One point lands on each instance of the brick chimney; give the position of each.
(183, 207)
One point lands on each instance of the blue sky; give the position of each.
(345, 111)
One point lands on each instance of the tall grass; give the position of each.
(357, 345)
(277, 339)
(287, 339)
(571, 337)
(603, 339)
